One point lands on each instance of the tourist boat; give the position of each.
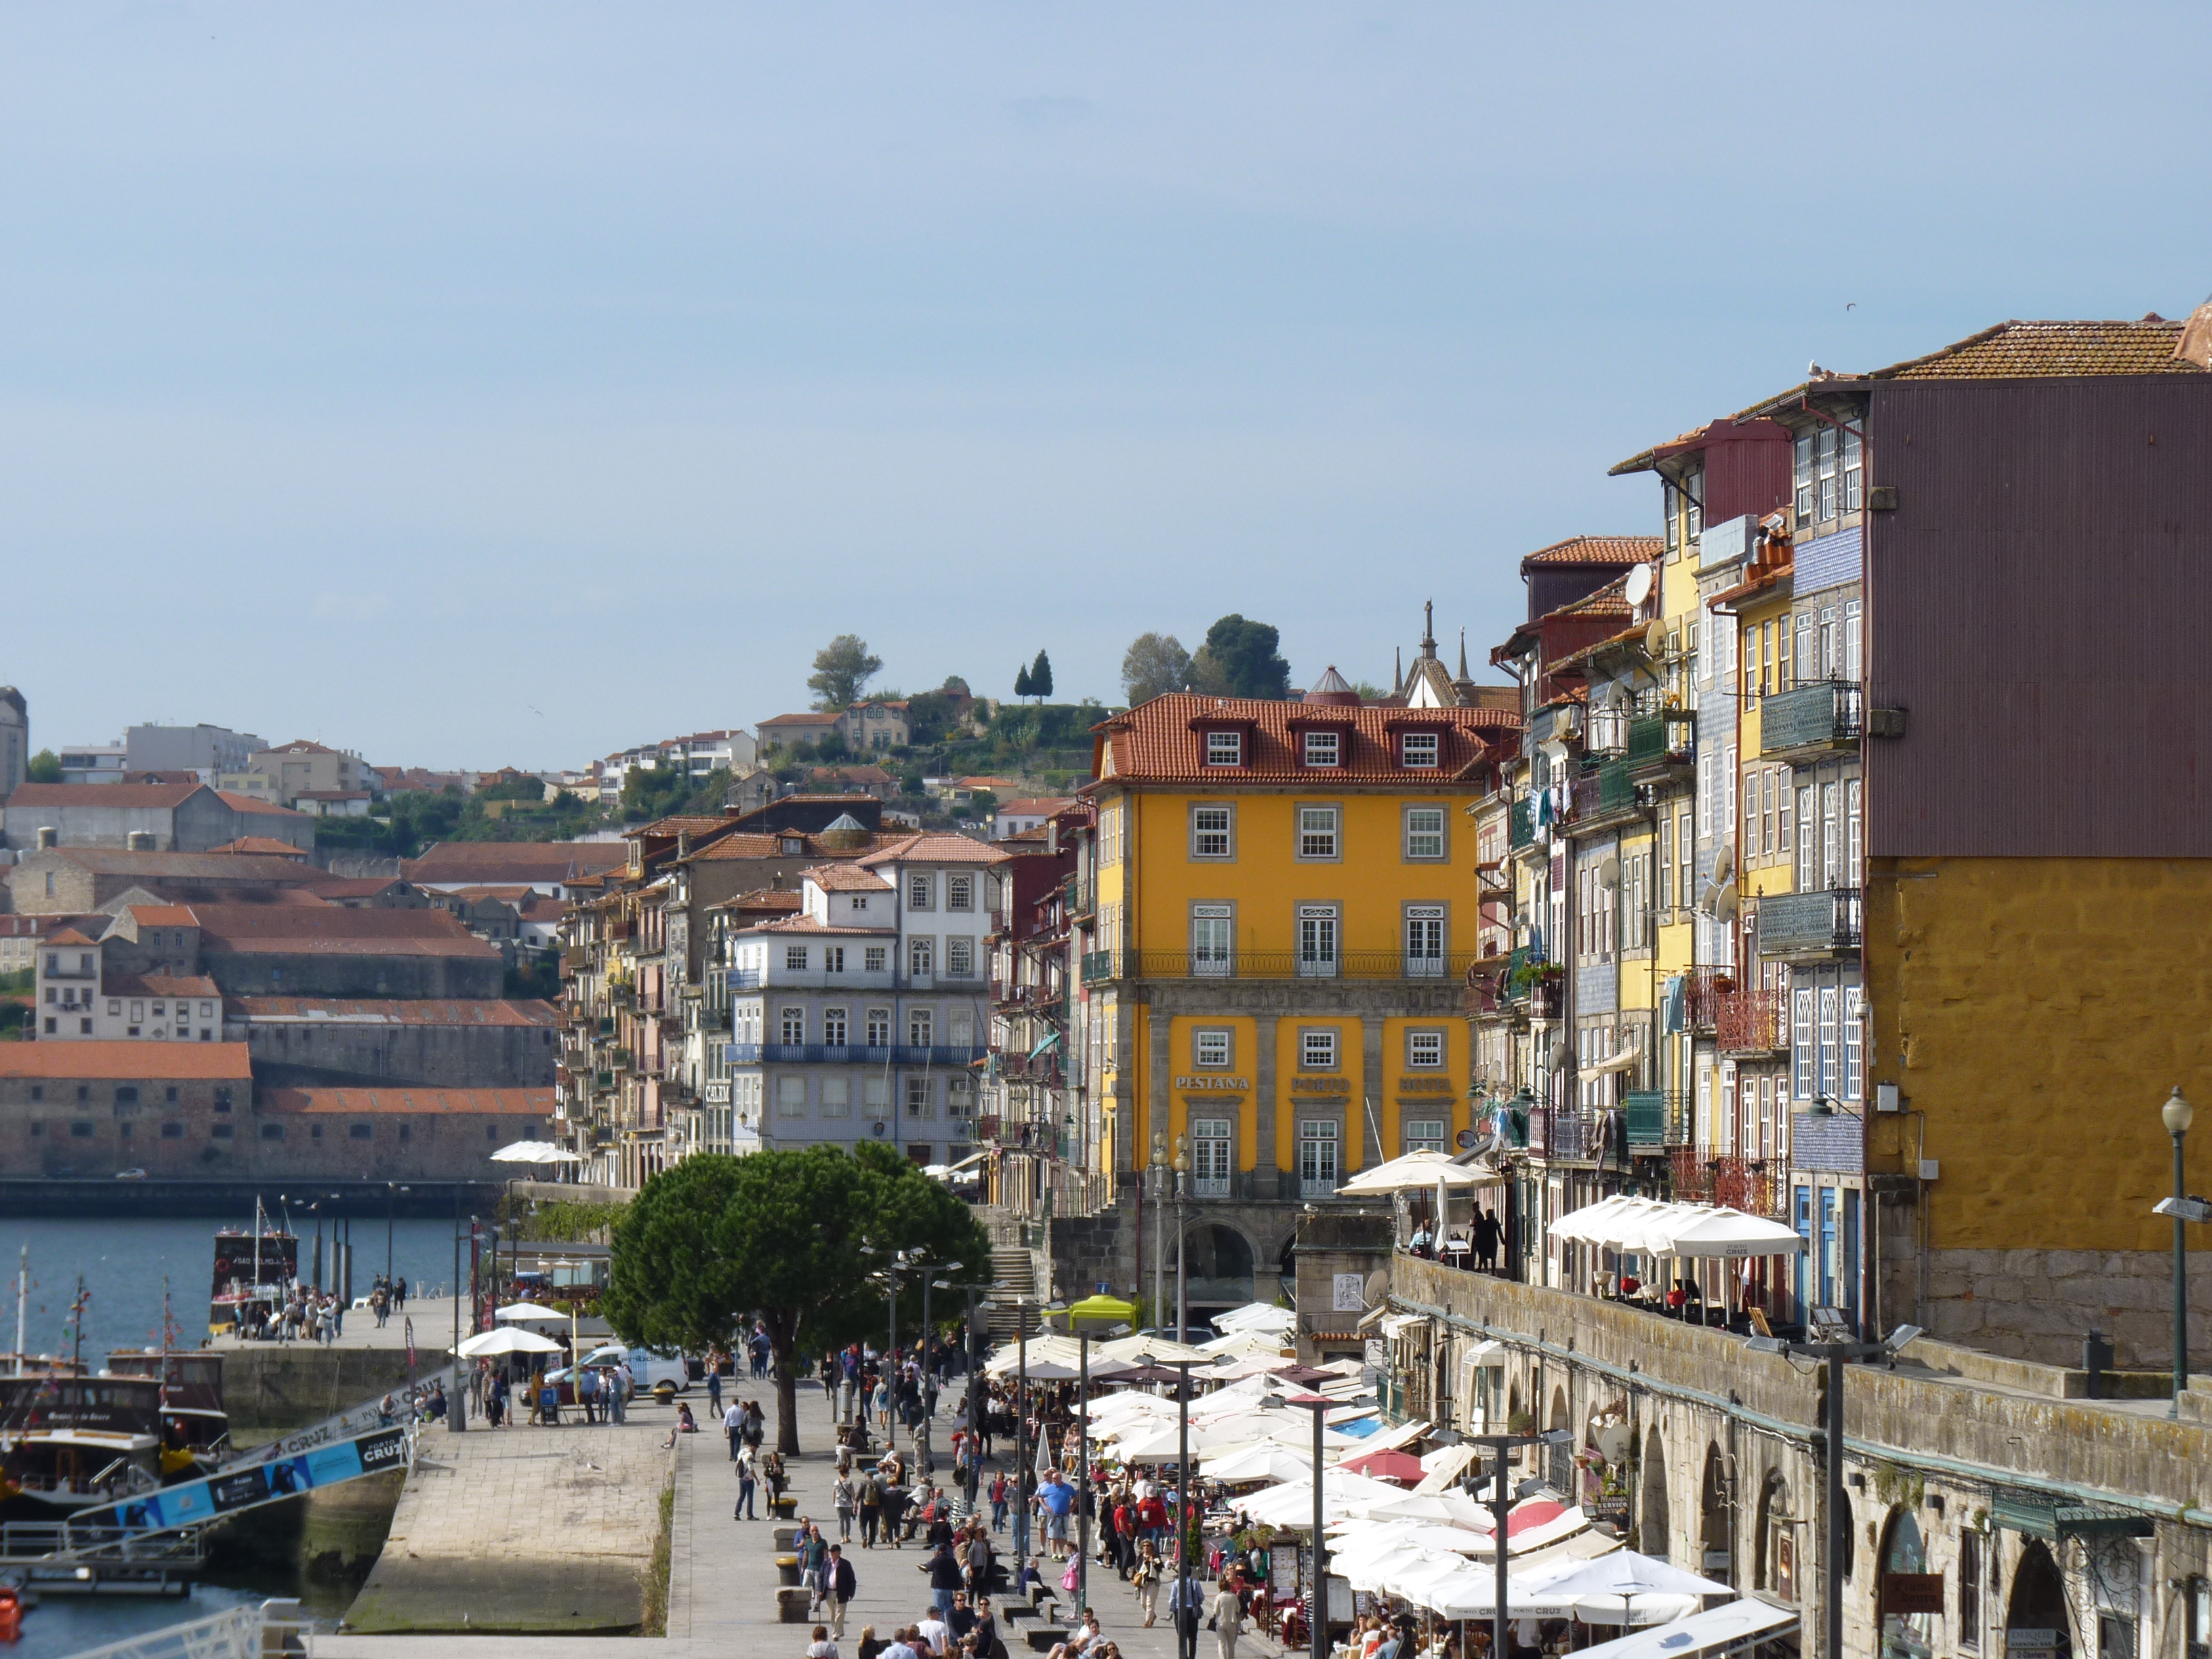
(195, 1429)
(253, 1268)
(74, 1443)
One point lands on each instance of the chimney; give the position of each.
(683, 843)
(139, 840)
(48, 835)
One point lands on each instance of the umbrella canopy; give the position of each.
(1640, 1589)
(534, 1151)
(1263, 1460)
(1256, 1315)
(1471, 1592)
(508, 1340)
(1725, 1629)
(1451, 1509)
(1414, 1171)
(1730, 1234)
(529, 1310)
(1387, 1465)
(1046, 1371)
(1305, 1375)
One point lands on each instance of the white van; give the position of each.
(648, 1367)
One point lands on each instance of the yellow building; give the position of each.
(1288, 903)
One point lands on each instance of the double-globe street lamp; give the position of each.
(2178, 1113)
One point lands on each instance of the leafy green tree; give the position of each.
(784, 1234)
(840, 669)
(45, 767)
(1041, 676)
(982, 804)
(928, 717)
(653, 791)
(1245, 653)
(1154, 664)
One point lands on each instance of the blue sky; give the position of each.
(505, 383)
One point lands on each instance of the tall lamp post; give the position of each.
(1182, 1239)
(2178, 1113)
(1501, 1504)
(1157, 1180)
(1182, 1369)
(1317, 1612)
(1837, 1530)
(928, 1377)
(1022, 1473)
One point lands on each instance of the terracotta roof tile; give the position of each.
(159, 985)
(126, 1059)
(1594, 550)
(141, 795)
(439, 1010)
(848, 878)
(809, 925)
(362, 1102)
(164, 915)
(263, 844)
(513, 860)
(333, 930)
(262, 808)
(935, 848)
(1157, 743)
(2051, 350)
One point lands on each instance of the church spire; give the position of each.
(1429, 630)
(1463, 653)
(1398, 673)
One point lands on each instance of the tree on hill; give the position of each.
(840, 669)
(1239, 659)
(1021, 685)
(45, 767)
(1041, 676)
(1154, 664)
(793, 1236)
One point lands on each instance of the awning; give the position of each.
(1051, 1042)
(1619, 1062)
(1735, 1628)
(2050, 1520)
(1392, 1323)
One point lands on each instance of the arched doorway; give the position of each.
(2037, 1601)
(1219, 1270)
(1653, 1534)
(1719, 1559)
(1559, 1466)
(1904, 1635)
(1775, 1569)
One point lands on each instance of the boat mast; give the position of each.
(76, 1328)
(22, 1301)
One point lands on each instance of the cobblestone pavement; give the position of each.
(723, 1576)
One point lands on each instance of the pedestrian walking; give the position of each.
(733, 1425)
(1146, 1578)
(944, 1577)
(998, 1501)
(588, 1392)
(713, 1387)
(747, 1481)
(844, 1584)
(847, 1498)
(1227, 1619)
(1186, 1607)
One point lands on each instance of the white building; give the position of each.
(866, 1015)
(77, 998)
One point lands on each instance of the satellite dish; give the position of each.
(1612, 1441)
(1654, 639)
(1725, 859)
(1608, 871)
(1639, 585)
(1378, 1287)
(1724, 907)
(1560, 1056)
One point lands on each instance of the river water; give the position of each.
(125, 1262)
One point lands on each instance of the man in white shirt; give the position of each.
(935, 1631)
(733, 1425)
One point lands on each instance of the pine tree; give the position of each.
(1041, 676)
(1022, 687)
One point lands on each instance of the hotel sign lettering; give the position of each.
(1223, 1084)
(1321, 1085)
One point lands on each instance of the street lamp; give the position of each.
(928, 1376)
(1501, 1501)
(1182, 1238)
(1183, 1368)
(2178, 1113)
(1838, 1523)
(1157, 1180)
(1317, 1610)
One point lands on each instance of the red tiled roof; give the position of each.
(164, 915)
(812, 717)
(848, 878)
(159, 985)
(69, 936)
(768, 844)
(1040, 808)
(263, 844)
(1594, 550)
(143, 796)
(935, 848)
(451, 1102)
(762, 898)
(393, 1011)
(248, 804)
(1157, 743)
(127, 1059)
(334, 930)
(809, 925)
(523, 862)
(2051, 350)
(345, 887)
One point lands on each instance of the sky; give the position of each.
(505, 383)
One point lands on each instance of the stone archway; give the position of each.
(1653, 1529)
(1217, 1274)
(1775, 1567)
(1559, 1466)
(1714, 1531)
(2038, 1600)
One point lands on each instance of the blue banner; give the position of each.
(196, 1502)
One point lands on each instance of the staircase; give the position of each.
(1011, 1276)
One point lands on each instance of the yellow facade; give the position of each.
(1150, 882)
(2034, 1014)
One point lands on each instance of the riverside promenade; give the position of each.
(722, 1573)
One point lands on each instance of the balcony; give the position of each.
(1828, 714)
(1603, 796)
(1290, 964)
(1805, 925)
(1099, 966)
(1485, 987)
(826, 1054)
(1653, 747)
(1702, 993)
(1521, 824)
(1754, 1022)
(1561, 1134)
(1644, 1111)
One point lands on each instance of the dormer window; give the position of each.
(1225, 748)
(1324, 749)
(1418, 748)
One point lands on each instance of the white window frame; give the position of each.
(1320, 940)
(920, 892)
(1320, 1165)
(921, 1028)
(960, 892)
(1417, 837)
(877, 959)
(832, 958)
(959, 956)
(1318, 1049)
(790, 1100)
(879, 1028)
(1225, 748)
(1425, 933)
(837, 1097)
(1420, 751)
(922, 957)
(1324, 749)
(790, 1018)
(1212, 941)
(834, 1028)
(1424, 1134)
(921, 1095)
(1212, 840)
(1425, 1048)
(1320, 833)
(1212, 1047)
(1212, 1156)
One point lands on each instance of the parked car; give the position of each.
(653, 1370)
(129, 1175)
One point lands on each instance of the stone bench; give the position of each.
(792, 1604)
(1045, 1637)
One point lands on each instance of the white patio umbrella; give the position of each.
(530, 1310)
(1639, 1584)
(506, 1341)
(1732, 1234)
(534, 1151)
(1416, 1171)
(1256, 1315)
(1263, 1460)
